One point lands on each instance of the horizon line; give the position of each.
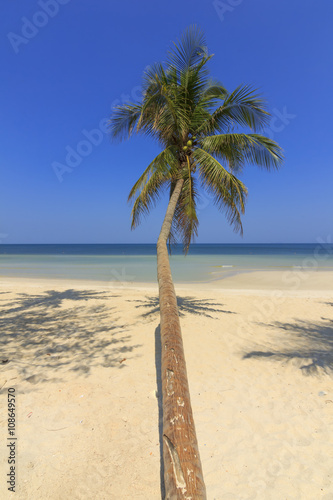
(154, 243)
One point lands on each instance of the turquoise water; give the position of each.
(137, 263)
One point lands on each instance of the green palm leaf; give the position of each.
(243, 107)
(185, 221)
(189, 50)
(239, 149)
(123, 121)
(147, 189)
(229, 193)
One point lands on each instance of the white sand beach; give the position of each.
(84, 361)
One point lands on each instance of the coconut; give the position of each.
(185, 148)
(189, 143)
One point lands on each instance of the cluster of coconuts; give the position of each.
(189, 144)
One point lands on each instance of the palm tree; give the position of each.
(192, 118)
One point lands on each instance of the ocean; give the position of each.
(126, 263)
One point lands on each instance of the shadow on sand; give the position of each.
(50, 331)
(158, 364)
(309, 344)
(188, 305)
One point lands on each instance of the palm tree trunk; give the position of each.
(182, 467)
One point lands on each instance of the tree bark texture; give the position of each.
(182, 467)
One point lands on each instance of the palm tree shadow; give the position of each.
(47, 333)
(158, 365)
(308, 344)
(188, 305)
(52, 299)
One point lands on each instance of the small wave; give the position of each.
(226, 265)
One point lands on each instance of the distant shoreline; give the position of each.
(289, 282)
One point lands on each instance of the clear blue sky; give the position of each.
(62, 78)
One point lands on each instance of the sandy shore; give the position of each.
(82, 358)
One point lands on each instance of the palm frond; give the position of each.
(185, 221)
(163, 114)
(237, 149)
(229, 193)
(214, 90)
(172, 239)
(189, 50)
(164, 162)
(243, 107)
(147, 189)
(123, 120)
